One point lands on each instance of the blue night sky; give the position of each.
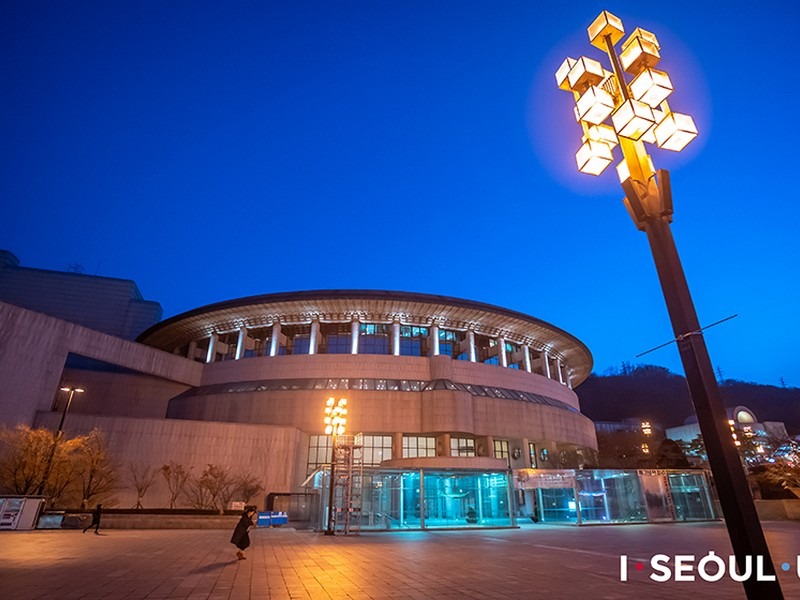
(212, 150)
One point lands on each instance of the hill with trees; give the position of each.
(657, 394)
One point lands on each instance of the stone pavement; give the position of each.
(537, 561)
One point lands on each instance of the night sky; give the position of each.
(212, 150)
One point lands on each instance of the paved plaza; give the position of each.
(533, 562)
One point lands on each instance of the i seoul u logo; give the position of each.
(709, 567)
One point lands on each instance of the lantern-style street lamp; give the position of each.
(335, 422)
(639, 114)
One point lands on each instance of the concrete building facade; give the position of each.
(431, 382)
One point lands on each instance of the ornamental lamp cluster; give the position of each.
(335, 416)
(638, 111)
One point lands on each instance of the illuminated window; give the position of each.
(462, 446)
(501, 451)
(376, 448)
(319, 451)
(416, 446)
(532, 454)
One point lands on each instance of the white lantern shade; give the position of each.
(639, 54)
(605, 24)
(632, 119)
(595, 105)
(675, 132)
(651, 87)
(603, 133)
(584, 73)
(593, 157)
(562, 72)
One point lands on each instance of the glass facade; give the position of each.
(587, 496)
(394, 499)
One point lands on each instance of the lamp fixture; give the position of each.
(609, 108)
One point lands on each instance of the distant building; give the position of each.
(113, 306)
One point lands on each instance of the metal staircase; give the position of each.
(348, 482)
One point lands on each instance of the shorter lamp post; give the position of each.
(335, 421)
(72, 391)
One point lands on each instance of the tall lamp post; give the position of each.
(335, 421)
(639, 114)
(72, 391)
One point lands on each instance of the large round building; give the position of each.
(430, 380)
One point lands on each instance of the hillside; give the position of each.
(657, 394)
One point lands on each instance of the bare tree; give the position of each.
(24, 454)
(247, 485)
(142, 478)
(198, 494)
(98, 475)
(176, 477)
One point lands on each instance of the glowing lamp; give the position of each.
(604, 25)
(562, 72)
(584, 73)
(595, 105)
(603, 133)
(651, 87)
(593, 157)
(675, 132)
(623, 172)
(632, 119)
(638, 53)
(328, 429)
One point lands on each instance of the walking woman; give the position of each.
(240, 537)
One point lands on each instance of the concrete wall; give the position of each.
(269, 452)
(34, 348)
(119, 394)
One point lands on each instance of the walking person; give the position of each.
(240, 537)
(95, 519)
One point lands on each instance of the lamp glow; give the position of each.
(651, 87)
(632, 119)
(604, 25)
(603, 133)
(562, 72)
(584, 73)
(595, 105)
(675, 132)
(593, 157)
(639, 52)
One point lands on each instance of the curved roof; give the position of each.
(370, 306)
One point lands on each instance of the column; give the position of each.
(397, 445)
(191, 354)
(569, 380)
(396, 338)
(212, 348)
(275, 340)
(546, 364)
(471, 339)
(558, 371)
(313, 339)
(526, 356)
(354, 331)
(240, 342)
(501, 352)
(434, 340)
(443, 441)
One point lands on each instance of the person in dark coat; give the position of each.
(240, 537)
(95, 519)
